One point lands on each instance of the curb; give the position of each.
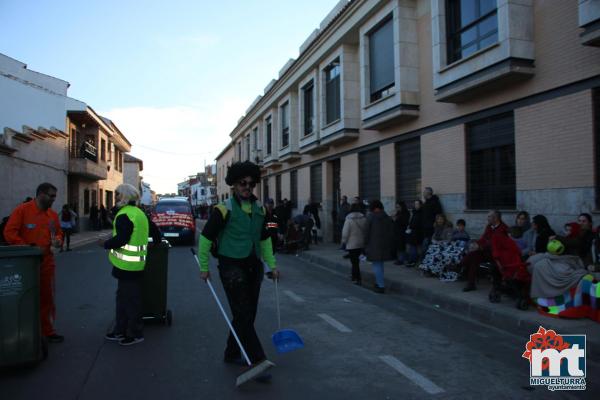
(497, 318)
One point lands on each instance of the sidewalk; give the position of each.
(449, 296)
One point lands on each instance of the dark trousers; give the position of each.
(241, 282)
(129, 308)
(67, 232)
(355, 260)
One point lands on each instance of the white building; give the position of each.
(33, 143)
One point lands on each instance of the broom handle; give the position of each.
(277, 301)
(212, 290)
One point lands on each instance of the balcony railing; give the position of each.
(85, 150)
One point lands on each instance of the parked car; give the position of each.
(175, 219)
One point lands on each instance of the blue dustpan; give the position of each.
(285, 340)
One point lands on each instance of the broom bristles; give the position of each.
(253, 372)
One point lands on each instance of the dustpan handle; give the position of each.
(277, 302)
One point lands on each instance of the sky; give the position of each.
(174, 76)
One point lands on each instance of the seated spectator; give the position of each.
(292, 238)
(543, 232)
(443, 252)
(353, 237)
(460, 234)
(414, 233)
(482, 251)
(523, 222)
(516, 235)
(578, 238)
(510, 269)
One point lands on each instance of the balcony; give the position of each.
(84, 162)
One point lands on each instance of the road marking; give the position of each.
(294, 296)
(336, 324)
(411, 374)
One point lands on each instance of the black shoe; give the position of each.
(346, 256)
(55, 338)
(129, 340)
(469, 288)
(357, 282)
(494, 296)
(409, 265)
(378, 289)
(114, 337)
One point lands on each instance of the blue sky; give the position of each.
(174, 76)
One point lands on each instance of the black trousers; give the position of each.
(129, 308)
(241, 280)
(355, 260)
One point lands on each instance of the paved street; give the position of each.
(359, 345)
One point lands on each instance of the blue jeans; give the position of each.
(378, 269)
(413, 254)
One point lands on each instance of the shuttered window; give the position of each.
(368, 175)
(472, 25)
(381, 58)
(316, 183)
(294, 188)
(332, 92)
(491, 167)
(309, 112)
(285, 125)
(408, 171)
(278, 189)
(268, 134)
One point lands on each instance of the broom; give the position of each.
(253, 370)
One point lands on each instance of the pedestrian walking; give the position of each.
(237, 233)
(431, 207)
(68, 221)
(128, 250)
(353, 238)
(35, 223)
(379, 241)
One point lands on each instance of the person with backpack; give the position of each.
(237, 233)
(68, 221)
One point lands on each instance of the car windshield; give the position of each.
(181, 208)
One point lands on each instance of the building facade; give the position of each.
(224, 160)
(33, 142)
(132, 168)
(493, 104)
(96, 159)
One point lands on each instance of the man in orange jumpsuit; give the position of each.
(34, 223)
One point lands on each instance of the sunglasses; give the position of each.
(246, 183)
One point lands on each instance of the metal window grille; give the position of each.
(369, 187)
(491, 169)
(408, 171)
(316, 183)
(596, 111)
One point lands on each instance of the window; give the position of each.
(408, 171)
(491, 163)
(316, 183)
(294, 188)
(268, 131)
(120, 161)
(109, 152)
(285, 125)
(239, 150)
(309, 112)
(368, 175)
(103, 150)
(332, 92)
(265, 190)
(109, 199)
(278, 189)
(248, 147)
(255, 139)
(381, 59)
(86, 201)
(94, 197)
(472, 25)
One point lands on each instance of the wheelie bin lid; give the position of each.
(20, 251)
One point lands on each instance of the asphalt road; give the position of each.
(359, 344)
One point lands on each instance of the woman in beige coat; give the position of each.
(353, 236)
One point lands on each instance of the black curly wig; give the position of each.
(240, 170)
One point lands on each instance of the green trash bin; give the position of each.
(21, 340)
(154, 287)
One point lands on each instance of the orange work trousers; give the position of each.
(47, 307)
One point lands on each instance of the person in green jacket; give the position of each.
(128, 249)
(236, 232)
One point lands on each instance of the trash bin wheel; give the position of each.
(169, 318)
